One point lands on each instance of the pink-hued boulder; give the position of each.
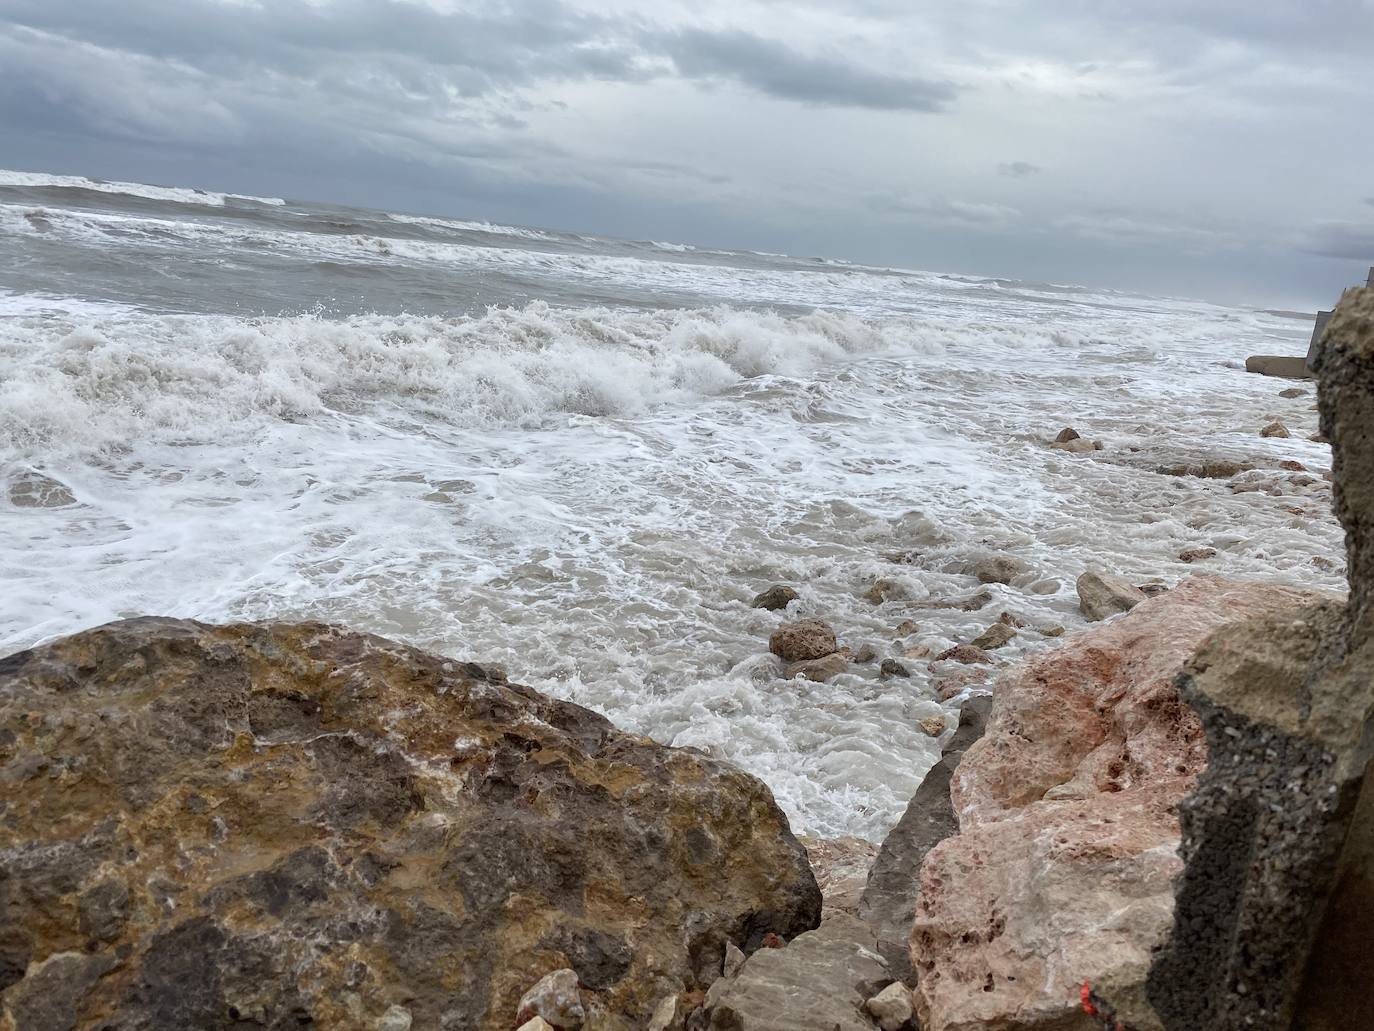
(1061, 872)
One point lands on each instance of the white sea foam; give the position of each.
(493, 228)
(175, 194)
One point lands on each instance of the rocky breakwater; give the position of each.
(1062, 869)
(271, 826)
(1275, 906)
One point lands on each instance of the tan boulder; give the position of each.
(802, 641)
(817, 670)
(1101, 595)
(1068, 822)
(1275, 429)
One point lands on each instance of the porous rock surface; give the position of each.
(803, 641)
(268, 826)
(1066, 807)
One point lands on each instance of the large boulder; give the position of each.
(1061, 871)
(803, 641)
(279, 825)
(1275, 905)
(1101, 595)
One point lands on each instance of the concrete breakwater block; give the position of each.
(1278, 365)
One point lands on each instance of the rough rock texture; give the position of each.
(892, 1007)
(1062, 868)
(994, 636)
(1292, 392)
(556, 998)
(966, 653)
(802, 641)
(1101, 595)
(893, 668)
(1067, 434)
(1275, 429)
(889, 898)
(820, 982)
(273, 825)
(1207, 468)
(1077, 447)
(818, 670)
(1275, 907)
(1197, 554)
(999, 569)
(776, 598)
(841, 867)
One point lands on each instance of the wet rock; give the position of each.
(802, 641)
(907, 627)
(970, 604)
(555, 998)
(1293, 467)
(917, 651)
(1012, 620)
(1208, 468)
(933, 726)
(1292, 392)
(891, 1007)
(818, 670)
(1274, 906)
(1275, 429)
(1197, 554)
(1152, 589)
(1062, 868)
(994, 637)
(820, 982)
(866, 654)
(1078, 447)
(893, 668)
(309, 825)
(1101, 595)
(999, 569)
(32, 489)
(775, 599)
(841, 867)
(1067, 434)
(885, 590)
(965, 653)
(889, 897)
(956, 683)
(1050, 631)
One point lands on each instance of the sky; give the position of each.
(1206, 148)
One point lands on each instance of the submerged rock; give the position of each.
(276, 825)
(818, 670)
(1275, 429)
(775, 599)
(994, 637)
(999, 569)
(965, 653)
(1197, 554)
(1067, 434)
(893, 668)
(1292, 392)
(802, 641)
(1062, 868)
(1101, 595)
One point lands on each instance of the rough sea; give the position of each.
(580, 458)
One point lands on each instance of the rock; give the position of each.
(556, 998)
(734, 959)
(1051, 631)
(1067, 434)
(1207, 468)
(917, 651)
(893, 668)
(866, 653)
(32, 489)
(538, 1024)
(970, 604)
(1101, 595)
(1275, 429)
(820, 982)
(818, 670)
(889, 897)
(666, 1016)
(1152, 589)
(1319, 438)
(802, 641)
(1283, 366)
(994, 637)
(1078, 447)
(957, 683)
(1274, 905)
(1012, 620)
(309, 825)
(1067, 823)
(397, 1018)
(965, 653)
(1292, 392)
(999, 569)
(907, 627)
(891, 1007)
(1197, 554)
(841, 867)
(775, 599)
(933, 726)
(885, 590)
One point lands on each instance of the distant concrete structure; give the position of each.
(1323, 317)
(1296, 368)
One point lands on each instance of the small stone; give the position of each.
(1197, 554)
(1275, 429)
(775, 599)
(1011, 619)
(817, 670)
(1067, 434)
(917, 651)
(772, 941)
(734, 959)
(994, 637)
(933, 725)
(1052, 631)
(396, 1018)
(866, 653)
(1078, 447)
(556, 999)
(965, 653)
(802, 641)
(893, 668)
(1292, 392)
(1153, 589)
(885, 590)
(665, 1015)
(1101, 595)
(891, 1007)
(907, 627)
(999, 569)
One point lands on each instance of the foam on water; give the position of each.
(175, 194)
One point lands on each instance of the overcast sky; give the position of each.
(1216, 148)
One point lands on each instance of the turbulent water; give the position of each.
(580, 458)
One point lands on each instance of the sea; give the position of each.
(580, 458)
